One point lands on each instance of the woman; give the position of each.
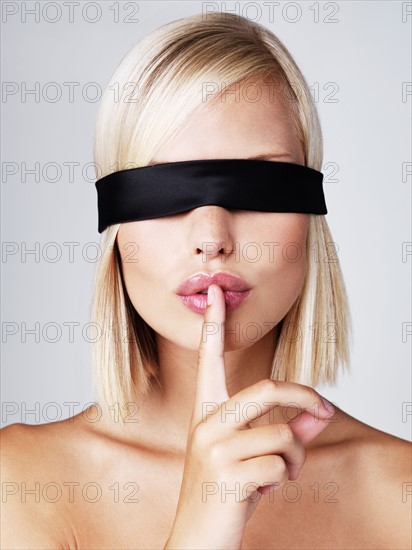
(207, 432)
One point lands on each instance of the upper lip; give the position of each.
(202, 281)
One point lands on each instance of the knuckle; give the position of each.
(279, 468)
(200, 436)
(202, 355)
(268, 386)
(285, 433)
(314, 396)
(216, 453)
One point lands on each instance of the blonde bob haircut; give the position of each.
(153, 92)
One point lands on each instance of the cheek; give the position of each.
(291, 250)
(285, 278)
(141, 245)
(284, 268)
(292, 235)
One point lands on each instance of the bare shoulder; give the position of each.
(386, 462)
(387, 470)
(377, 451)
(47, 472)
(32, 459)
(48, 450)
(28, 448)
(378, 467)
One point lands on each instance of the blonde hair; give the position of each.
(155, 89)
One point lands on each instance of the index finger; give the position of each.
(211, 388)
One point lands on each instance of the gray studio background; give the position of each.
(359, 69)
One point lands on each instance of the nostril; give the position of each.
(211, 248)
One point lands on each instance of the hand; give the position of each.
(224, 453)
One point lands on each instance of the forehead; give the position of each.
(245, 120)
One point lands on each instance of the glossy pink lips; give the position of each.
(193, 292)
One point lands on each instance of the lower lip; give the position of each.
(198, 302)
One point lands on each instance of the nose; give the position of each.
(211, 232)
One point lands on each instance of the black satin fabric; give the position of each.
(237, 184)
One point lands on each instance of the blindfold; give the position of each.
(235, 184)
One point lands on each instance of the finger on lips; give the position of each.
(211, 387)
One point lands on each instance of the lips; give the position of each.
(193, 292)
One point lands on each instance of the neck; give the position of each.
(178, 369)
(164, 413)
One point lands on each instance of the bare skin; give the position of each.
(348, 491)
(347, 495)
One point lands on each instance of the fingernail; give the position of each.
(210, 295)
(328, 406)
